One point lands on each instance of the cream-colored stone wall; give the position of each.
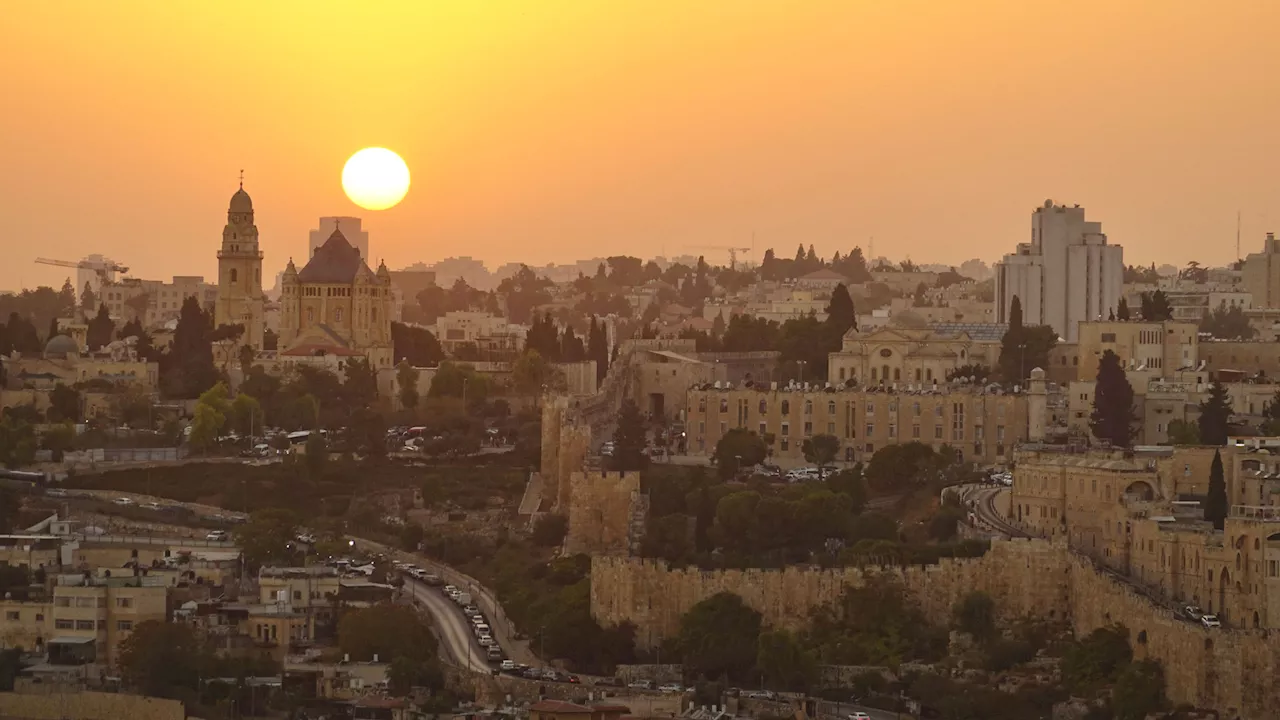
(601, 507)
(1025, 577)
(89, 706)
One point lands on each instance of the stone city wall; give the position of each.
(1025, 577)
(1231, 671)
(600, 510)
(89, 706)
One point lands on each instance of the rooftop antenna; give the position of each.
(1237, 234)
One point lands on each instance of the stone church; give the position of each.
(336, 306)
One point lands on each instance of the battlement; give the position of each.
(611, 476)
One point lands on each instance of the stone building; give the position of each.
(1239, 359)
(1163, 347)
(240, 297)
(909, 356)
(1139, 513)
(607, 513)
(336, 305)
(983, 424)
(1261, 274)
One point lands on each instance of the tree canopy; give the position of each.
(1112, 418)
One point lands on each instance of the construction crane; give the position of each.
(733, 252)
(102, 267)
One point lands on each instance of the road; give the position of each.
(843, 710)
(982, 500)
(455, 634)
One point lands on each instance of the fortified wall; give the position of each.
(1023, 576)
(606, 513)
(1231, 671)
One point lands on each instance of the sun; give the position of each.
(375, 178)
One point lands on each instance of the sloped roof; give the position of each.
(825, 274)
(981, 332)
(336, 262)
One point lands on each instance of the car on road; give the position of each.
(1210, 621)
(151, 506)
(217, 536)
(471, 610)
(761, 694)
(486, 641)
(859, 716)
(122, 501)
(507, 666)
(1193, 612)
(494, 653)
(55, 492)
(431, 579)
(671, 688)
(641, 685)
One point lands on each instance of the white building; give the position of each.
(350, 227)
(1066, 274)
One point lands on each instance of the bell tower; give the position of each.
(240, 298)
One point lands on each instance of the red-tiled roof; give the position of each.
(559, 706)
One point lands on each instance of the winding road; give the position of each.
(456, 637)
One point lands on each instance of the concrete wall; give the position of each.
(89, 706)
(1024, 577)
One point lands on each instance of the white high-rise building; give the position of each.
(350, 229)
(1066, 274)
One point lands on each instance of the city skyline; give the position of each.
(918, 125)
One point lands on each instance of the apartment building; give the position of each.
(1162, 347)
(1066, 275)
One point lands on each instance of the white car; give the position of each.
(122, 501)
(671, 688)
(859, 716)
(1211, 621)
(507, 665)
(217, 536)
(150, 506)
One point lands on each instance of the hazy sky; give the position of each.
(549, 131)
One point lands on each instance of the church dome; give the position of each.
(241, 202)
(60, 346)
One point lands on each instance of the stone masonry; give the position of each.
(601, 509)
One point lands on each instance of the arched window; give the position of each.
(808, 407)
(897, 374)
(831, 407)
(786, 407)
(724, 405)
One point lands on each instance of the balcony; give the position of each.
(1263, 513)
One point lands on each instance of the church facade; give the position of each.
(240, 297)
(336, 306)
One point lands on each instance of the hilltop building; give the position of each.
(1067, 274)
(336, 305)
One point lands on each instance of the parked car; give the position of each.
(1211, 621)
(431, 579)
(122, 501)
(150, 506)
(1193, 612)
(671, 688)
(859, 716)
(217, 536)
(55, 492)
(494, 653)
(507, 665)
(641, 685)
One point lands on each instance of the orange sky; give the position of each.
(556, 130)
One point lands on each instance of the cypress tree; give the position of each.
(1215, 505)
(841, 315)
(1122, 310)
(1112, 417)
(1215, 413)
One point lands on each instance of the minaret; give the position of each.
(240, 297)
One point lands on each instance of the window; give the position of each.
(937, 432)
(124, 625)
(311, 315)
(702, 404)
(84, 624)
(786, 429)
(893, 430)
(64, 624)
(39, 617)
(764, 406)
(808, 407)
(786, 407)
(786, 444)
(124, 602)
(871, 429)
(297, 594)
(831, 428)
(724, 405)
(831, 407)
(937, 411)
(808, 428)
(86, 602)
(234, 275)
(871, 407)
(1108, 337)
(12, 615)
(842, 373)
(915, 409)
(915, 432)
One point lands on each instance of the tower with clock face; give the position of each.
(240, 297)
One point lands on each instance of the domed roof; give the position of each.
(61, 346)
(241, 202)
